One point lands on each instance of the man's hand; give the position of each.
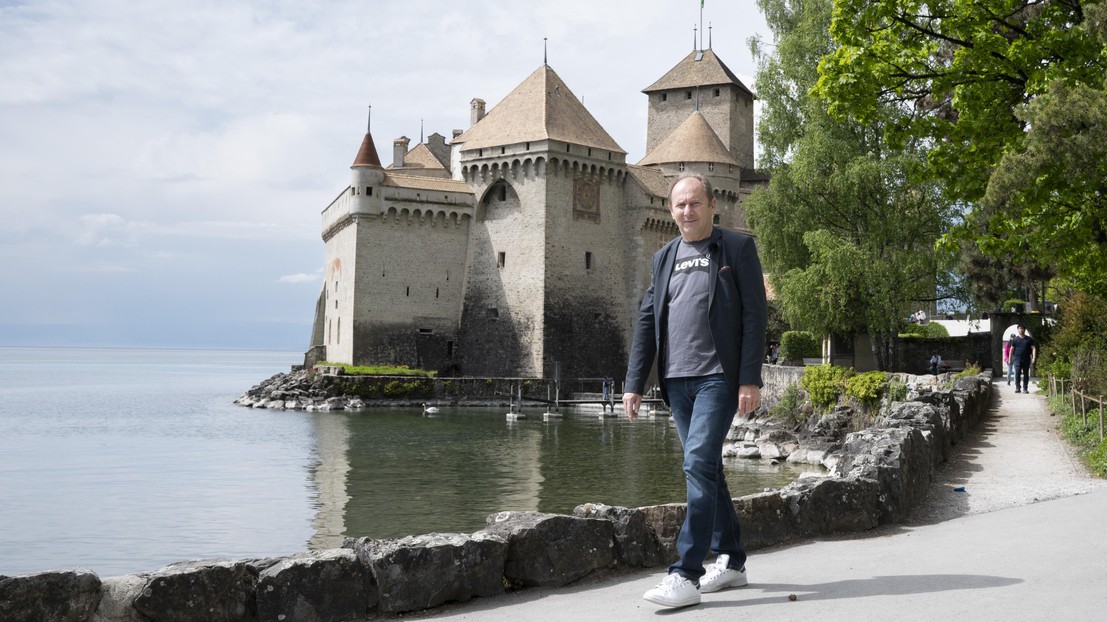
(631, 403)
(749, 398)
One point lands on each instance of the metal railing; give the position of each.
(1057, 387)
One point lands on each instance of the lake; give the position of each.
(124, 460)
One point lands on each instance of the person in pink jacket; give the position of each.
(1007, 357)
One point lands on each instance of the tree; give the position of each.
(846, 234)
(1006, 94)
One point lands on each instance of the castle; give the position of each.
(522, 246)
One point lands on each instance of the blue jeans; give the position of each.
(703, 410)
(1010, 370)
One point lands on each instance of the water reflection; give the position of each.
(391, 473)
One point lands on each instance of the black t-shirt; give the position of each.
(1021, 348)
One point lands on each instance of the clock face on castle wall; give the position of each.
(586, 200)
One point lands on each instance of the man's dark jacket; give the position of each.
(737, 315)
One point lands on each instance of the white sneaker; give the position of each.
(674, 591)
(719, 576)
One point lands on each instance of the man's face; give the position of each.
(692, 210)
(1022, 332)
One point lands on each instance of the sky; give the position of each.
(164, 164)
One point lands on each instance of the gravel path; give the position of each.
(1016, 458)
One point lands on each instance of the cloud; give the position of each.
(299, 278)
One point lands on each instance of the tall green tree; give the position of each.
(846, 233)
(1009, 97)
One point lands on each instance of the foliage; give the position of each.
(971, 369)
(1011, 99)
(380, 370)
(787, 410)
(867, 388)
(1078, 345)
(928, 330)
(1013, 303)
(846, 230)
(897, 390)
(397, 388)
(1092, 451)
(798, 344)
(825, 383)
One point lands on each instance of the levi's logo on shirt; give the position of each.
(694, 264)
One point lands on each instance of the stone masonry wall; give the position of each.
(875, 476)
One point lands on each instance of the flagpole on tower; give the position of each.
(701, 24)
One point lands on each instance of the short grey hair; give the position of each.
(703, 180)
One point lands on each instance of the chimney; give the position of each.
(476, 112)
(399, 150)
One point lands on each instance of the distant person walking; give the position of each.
(703, 318)
(1023, 352)
(935, 363)
(1007, 357)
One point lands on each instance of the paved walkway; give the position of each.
(1023, 542)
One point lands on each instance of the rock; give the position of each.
(829, 505)
(119, 594)
(200, 590)
(62, 595)
(418, 572)
(765, 520)
(665, 522)
(635, 544)
(550, 550)
(316, 586)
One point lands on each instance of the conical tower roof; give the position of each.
(692, 141)
(541, 108)
(367, 154)
(700, 68)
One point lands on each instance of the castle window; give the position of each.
(335, 303)
(587, 260)
(730, 168)
(407, 290)
(710, 166)
(608, 155)
(369, 191)
(501, 259)
(687, 94)
(436, 292)
(715, 219)
(568, 148)
(503, 193)
(528, 146)
(338, 337)
(503, 150)
(493, 311)
(664, 97)
(717, 92)
(426, 331)
(449, 348)
(681, 166)
(589, 151)
(480, 153)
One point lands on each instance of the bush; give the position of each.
(867, 388)
(1078, 346)
(1092, 451)
(825, 383)
(796, 345)
(897, 390)
(971, 369)
(1014, 303)
(787, 410)
(928, 330)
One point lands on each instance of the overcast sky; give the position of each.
(163, 164)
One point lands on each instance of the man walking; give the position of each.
(1023, 354)
(703, 318)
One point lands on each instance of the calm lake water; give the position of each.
(124, 460)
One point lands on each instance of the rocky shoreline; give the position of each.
(875, 476)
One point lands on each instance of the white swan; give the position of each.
(429, 410)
